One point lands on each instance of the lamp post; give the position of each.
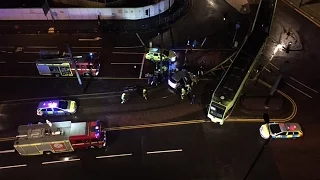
(75, 67)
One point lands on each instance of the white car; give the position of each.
(281, 130)
(56, 107)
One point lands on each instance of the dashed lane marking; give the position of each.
(164, 151)
(115, 155)
(62, 161)
(7, 151)
(13, 166)
(42, 47)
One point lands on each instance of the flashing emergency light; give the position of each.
(97, 127)
(91, 54)
(173, 59)
(51, 104)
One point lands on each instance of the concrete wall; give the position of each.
(86, 13)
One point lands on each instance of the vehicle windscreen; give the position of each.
(63, 104)
(275, 128)
(216, 111)
(173, 80)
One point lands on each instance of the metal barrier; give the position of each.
(85, 26)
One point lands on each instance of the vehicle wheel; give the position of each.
(86, 74)
(151, 59)
(92, 147)
(57, 75)
(47, 152)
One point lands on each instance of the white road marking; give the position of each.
(53, 162)
(128, 53)
(31, 52)
(42, 47)
(14, 166)
(7, 151)
(164, 151)
(299, 90)
(26, 62)
(124, 63)
(5, 47)
(128, 47)
(83, 52)
(93, 47)
(116, 155)
(10, 52)
(2, 62)
(304, 85)
(274, 66)
(3, 51)
(267, 70)
(141, 69)
(140, 39)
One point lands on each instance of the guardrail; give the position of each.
(92, 26)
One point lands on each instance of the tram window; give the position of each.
(54, 69)
(90, 66)
(83, 66)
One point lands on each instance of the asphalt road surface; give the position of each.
(208, 151)
(300, 82)
(201, 151)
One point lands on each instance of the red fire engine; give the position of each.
(58, 137)
(87, 65)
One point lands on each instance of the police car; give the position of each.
(155, 55)
(56, 107)
(281, 130)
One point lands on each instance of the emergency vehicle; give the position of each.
(87, 65)
(58, 137)
(281, 130)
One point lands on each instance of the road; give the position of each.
(208, 151)
(201, 151)
(301, 83)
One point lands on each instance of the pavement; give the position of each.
(243, 6)
(310, 9)
(177, 11)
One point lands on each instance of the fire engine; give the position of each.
(86, 65)
(58, 137)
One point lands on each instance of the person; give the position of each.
(188, 88)
(123, 98)
(183, 93)
(193, 99)
(145, 94)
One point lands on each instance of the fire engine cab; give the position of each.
(58, 137)
(86, 65)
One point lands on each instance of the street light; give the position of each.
(75, 66)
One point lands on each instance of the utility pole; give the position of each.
(75, 67)
(267, 121)
(276, 83)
